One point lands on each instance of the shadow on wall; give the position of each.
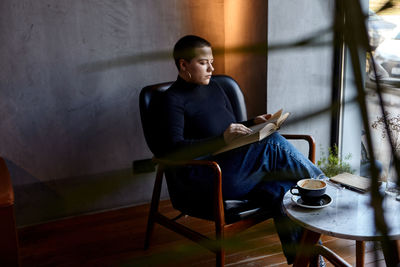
(37, 201)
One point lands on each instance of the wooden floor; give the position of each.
(115, 238)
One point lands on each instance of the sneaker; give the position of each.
(321, 262)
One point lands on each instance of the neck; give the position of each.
(182, 75)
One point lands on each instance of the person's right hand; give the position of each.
(234, 131)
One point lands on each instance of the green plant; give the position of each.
(332, 164)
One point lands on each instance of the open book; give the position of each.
(260, 131)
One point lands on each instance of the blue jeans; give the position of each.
(264, 172)
(273, 162)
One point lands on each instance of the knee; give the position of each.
(275, 138)
(282, 144)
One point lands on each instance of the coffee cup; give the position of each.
(310, 190)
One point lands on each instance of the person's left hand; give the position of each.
(262, 118)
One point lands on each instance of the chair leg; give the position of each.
(9, 250)
(154, 206)
(220, 257)
(360, 252)
(219, 235)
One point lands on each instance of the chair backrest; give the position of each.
(150, 97)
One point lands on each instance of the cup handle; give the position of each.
(294, 193)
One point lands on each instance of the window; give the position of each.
(384, 38)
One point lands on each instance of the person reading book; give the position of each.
(197, 120)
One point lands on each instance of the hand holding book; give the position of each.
(262, 118)
(257, 133)
(234, 131)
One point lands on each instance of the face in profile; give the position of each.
(200, 67)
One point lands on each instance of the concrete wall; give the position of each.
(70, 75)
(299, 79)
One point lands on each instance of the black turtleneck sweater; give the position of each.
(194, 118)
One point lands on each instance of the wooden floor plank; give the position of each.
(115, 238)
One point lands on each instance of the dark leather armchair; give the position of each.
(230, 216)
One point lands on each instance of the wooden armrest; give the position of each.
(309, 139)
(6, 190)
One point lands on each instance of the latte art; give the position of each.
(313, 184)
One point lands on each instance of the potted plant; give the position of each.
(332, 164)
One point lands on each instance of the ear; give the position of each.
(182, 64)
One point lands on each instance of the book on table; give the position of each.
(352, 181)
(259, 132)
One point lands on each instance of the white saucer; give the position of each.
(326, 200)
